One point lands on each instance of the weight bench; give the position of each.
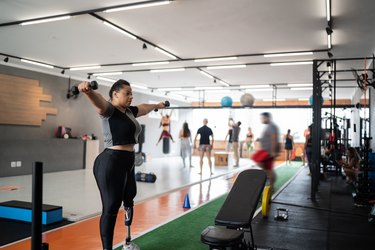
(236, 214)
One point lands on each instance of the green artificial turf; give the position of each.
(184, 232)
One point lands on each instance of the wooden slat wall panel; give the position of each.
(20, 101)
(46, 98)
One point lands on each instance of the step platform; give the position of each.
(22, 210)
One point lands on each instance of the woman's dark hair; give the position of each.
(186, 130)
(310, 128)
(352, 151)
(288, 132)
(117, 86)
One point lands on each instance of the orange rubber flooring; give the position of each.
(148, 215)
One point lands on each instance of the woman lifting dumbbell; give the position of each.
(114, 167)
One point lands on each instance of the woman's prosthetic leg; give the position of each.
(129, 211)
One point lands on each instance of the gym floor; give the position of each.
(332, 222)
(71, 189)
(162, 201)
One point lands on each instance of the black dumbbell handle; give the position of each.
(166, 104)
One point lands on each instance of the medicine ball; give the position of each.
(247, 100)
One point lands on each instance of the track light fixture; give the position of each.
(6, 59)
(144, 46)
(328, 64)
(89, 76)
(329, 54)
(329, 76)
(63, 71)
(329, 30)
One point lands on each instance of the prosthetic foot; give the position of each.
(128, 221)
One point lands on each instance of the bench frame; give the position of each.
(241, 203)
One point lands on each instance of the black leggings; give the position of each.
(114, 174)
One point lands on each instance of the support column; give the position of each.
(316, 130)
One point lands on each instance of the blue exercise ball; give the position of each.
(226, 101)
(311, 100)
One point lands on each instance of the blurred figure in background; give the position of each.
(288, 146)
(308, 147)
(306, 132)
(186, 142)
(249, 141)
(235, 135)
(229, 143)
(269, 142)
(351, 166)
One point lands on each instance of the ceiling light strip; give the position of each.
(254, 86)
(150, 63)
(106, 79)
(165, 53)
(292, 85)
(227, 66)
(108, 74)
(328, 10)
(206, 74)
(300, 88)
(119, 30)
(290, 63)
(224, 83)
(216, 59)
(168, 89)
(37, 63)
(208, 88)
(52, 19)
(138, 5)
(135, 85)
(166, 70)
(259, 90)
(289, 54)
(329, 41)
(85, 67)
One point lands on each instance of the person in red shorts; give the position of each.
(270, 147)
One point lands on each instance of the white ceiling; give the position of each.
(192, 29)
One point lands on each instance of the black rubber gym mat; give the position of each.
(12, 230)
(332, 222)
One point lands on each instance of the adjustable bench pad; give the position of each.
(220, 236)
(240, 205)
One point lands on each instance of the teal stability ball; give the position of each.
(311, 100)
(226, 101)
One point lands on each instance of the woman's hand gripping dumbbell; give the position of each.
(166, 104)
(84, 87)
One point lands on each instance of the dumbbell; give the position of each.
(93, 85)
(166, 104)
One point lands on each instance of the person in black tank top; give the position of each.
(288, 146)
(114, 167)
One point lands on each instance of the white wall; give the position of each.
(296, 120)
